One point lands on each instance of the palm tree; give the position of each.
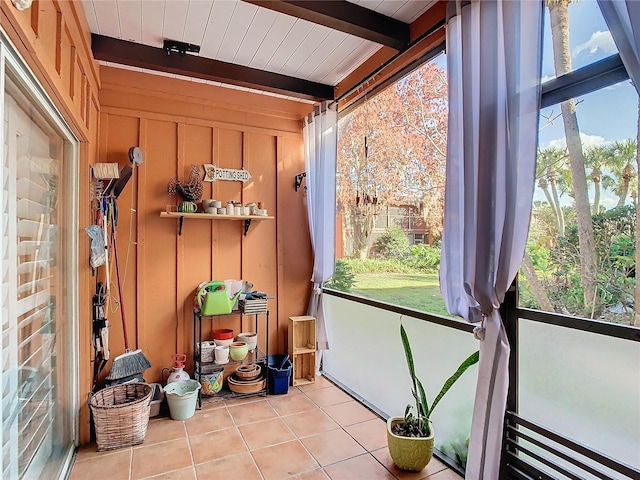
(550, 171)
(559, 16)
(623, 156)
(596, 158)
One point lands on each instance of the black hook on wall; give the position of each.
(299, 178)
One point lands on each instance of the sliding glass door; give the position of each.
(39, 269)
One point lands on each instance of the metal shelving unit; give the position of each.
(261, 357)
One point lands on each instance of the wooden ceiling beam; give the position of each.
(346, 17)
(137, 55)
(427, 32)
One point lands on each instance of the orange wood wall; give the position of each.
(54, 39)
(176, 124)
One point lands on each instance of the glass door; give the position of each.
(39, 335)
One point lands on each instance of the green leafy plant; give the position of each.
(418, 425)
(424, 257)
(393, 243)
(458, 450)
(343, 277)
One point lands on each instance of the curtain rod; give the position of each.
(372, 75)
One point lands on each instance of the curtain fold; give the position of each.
(320, 151)
(623, 20)
(494, 65)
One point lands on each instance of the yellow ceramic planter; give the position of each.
(409, 453)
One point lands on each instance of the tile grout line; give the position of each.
(193, 462)
(255, 464)
(300, 441)
(343, 428)
(322, 467)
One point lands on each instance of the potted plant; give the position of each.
(191, 191)
(410, 438)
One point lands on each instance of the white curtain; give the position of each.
(493, 61)
(623, 19)
(320, 152)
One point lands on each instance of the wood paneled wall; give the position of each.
(177, 124)
(54, 39)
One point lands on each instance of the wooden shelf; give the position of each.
(298, 350)
(210, 216)
(213, 216)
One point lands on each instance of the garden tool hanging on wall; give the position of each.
(129, 365)
(100, 328)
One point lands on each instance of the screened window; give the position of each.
(390, 191)
(581, 254)
(39, 396)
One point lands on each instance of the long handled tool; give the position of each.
(131, 362)
(100, 332)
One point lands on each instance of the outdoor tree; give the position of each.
(392, 151)
(636, 316)
(559, 17)
(622, 157)
(551, 171)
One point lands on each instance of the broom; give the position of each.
(130, 362)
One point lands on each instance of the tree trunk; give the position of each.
(362, 227)
(596, 198)
(544, 186)
(636, 318)
(536, 287)
(559, 15)
(560, 212)
(624, 191)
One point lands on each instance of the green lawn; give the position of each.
(420, 291)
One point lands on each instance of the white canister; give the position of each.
(246, 210)
(222, 211)
(229, 208)
(221, 354)
(217, 204)
(237, 210)
(212, 210)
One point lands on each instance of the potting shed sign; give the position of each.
(213, 173)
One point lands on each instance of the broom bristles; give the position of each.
(127, 364)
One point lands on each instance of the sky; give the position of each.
(604, 116)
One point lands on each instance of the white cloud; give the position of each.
(588, 141)
(599, 41)
(607, 201)
(546, 78)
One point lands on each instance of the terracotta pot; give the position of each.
(409, 453)
(248, 372)
(251, 339)
(223, 334)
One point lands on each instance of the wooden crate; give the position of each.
(304, 368)
(302, 334)
(301, 347)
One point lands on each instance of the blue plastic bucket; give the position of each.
(279, 375)
(182, 397)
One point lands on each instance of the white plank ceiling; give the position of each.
(245, 34)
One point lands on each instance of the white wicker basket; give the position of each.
(206, 351)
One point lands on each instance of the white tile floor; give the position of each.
(313, 432)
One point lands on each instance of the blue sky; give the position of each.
(603, 116)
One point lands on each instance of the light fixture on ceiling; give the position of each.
(181, 47)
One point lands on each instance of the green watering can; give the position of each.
(213, 299)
